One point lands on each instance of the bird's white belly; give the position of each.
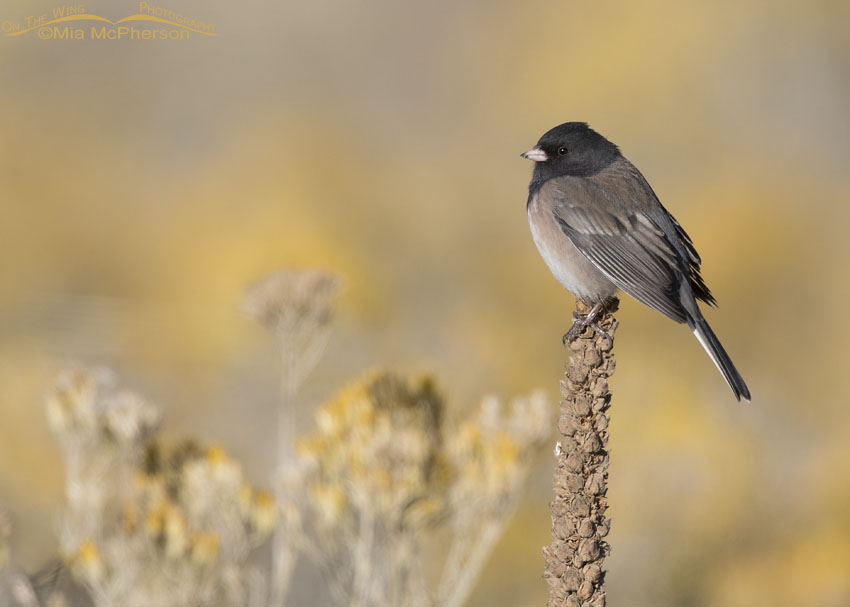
(568, 265)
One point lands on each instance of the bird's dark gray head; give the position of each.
(572, 148)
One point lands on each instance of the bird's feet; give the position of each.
(583, 321)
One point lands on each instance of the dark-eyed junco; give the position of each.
(600, 228)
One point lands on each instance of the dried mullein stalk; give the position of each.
(575, 557)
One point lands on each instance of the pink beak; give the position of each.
(536, 154)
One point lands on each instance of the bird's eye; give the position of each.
(562, 151)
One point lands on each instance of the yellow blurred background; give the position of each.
(144, 183)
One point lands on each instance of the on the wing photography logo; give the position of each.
(74, 22)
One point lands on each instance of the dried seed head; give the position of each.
(130, 418)
(586, 528)
(585, 590)
(572, 580)
(288, 297)
(592, 572)
(589, 550)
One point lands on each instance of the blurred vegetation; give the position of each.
(367, 495)
(140, 527)
(142, 186)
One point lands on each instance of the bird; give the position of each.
(601, 229)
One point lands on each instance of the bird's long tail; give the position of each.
(724, 364)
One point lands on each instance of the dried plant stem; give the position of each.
(574, 558)
(283, 556)
(286, 421)
(469, 567)
(295, 306)
(364, 561)
(418, 585)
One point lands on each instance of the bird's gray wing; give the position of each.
(627, 246)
